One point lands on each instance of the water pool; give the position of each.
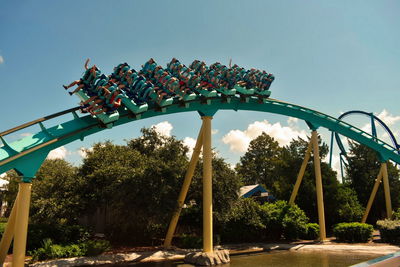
(284, 259)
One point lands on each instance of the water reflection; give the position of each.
(282, 259)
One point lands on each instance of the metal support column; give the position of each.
(386, 188)
(301, 173)
(372, 196)
(207, 186)
(21, 224)
(8, 233)
(318, 186)
(184, 189)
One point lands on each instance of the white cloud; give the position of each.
(214, 131)
(292, 121)
(83, 151)
(190, 143)
(239, 140)
(163, 128)
(3, 182)
(26, 134)
(58, 153)
(367, 128)
(387, 118)
(335, 163)
(1, 60)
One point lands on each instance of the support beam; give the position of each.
(386, 188)
(318, 186)
(184, 189)
(8, 233)
(372, 197)
(21, 224)
(207, 186)
(301, 174)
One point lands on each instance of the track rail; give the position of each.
(27, 154)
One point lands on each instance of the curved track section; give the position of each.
(27, 154)
(373, 118)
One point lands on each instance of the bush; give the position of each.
(396, 214)
(281, 218)
(189, 241)
(95, 247)
(49, 250)
(244, 218)
(59, 234)
(389, 230)
(312, 231)
(353, 232)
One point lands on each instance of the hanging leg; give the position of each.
(207, 186)
(301, 173)
(386, 188)
(372, 197)
(318, 186)
(184, 190)
(8, 233)
(21, 224)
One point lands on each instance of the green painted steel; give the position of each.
(27, 154)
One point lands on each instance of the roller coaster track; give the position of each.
(27, 154)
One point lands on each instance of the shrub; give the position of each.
(396, 214)
(244, 218)
(189, 241)
(95, 247)
(389, 230)
(294, 223)
(281, 218)
(59, 234)
(312, 232)
(49, 250)
(353, 232)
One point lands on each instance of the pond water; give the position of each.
(283, 259)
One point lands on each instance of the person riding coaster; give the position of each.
(88, 79)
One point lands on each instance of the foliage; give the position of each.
(389, 230)
(269, 221)
(225, 186)
(60, 234)
(353, 232)
(49, 250)
(312, 231)
(94, 247)
(341, 203)
(348, 208)
(189, 241)
(362, 171)
(258, 164)
(245, 217)
(55, 194)
(396, 214)
(281, 218)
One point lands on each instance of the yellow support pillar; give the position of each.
(386, 188)
(301, 174)
(21, 224)
(372, 196)
(318, 187)
(207, 186)
(184, 190)
(8, 233)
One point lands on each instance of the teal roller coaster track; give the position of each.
(27, 154)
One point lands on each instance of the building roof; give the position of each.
(249, 190)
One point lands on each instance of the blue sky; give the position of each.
(332, 56)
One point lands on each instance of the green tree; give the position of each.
(258, 164)
(225, 186)
(54, 193)
(362, 170)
